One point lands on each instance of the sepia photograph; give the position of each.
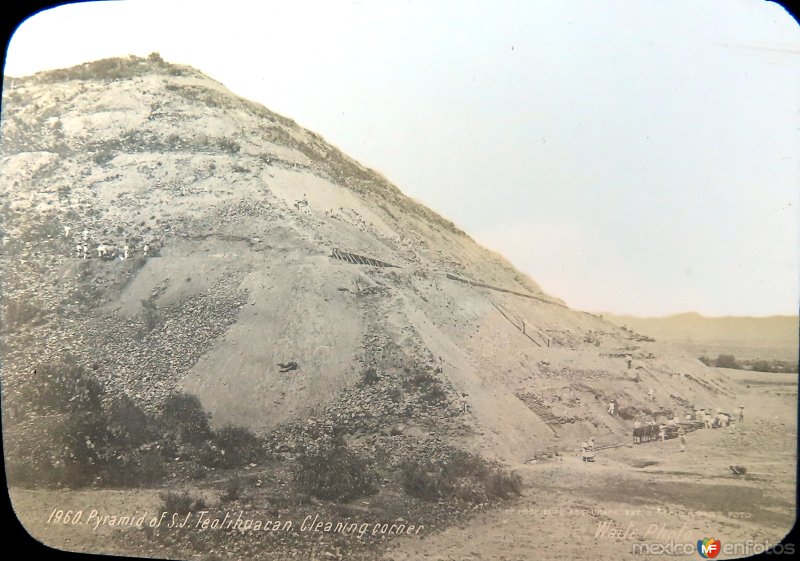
(401, 280)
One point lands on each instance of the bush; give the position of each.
(762, 366)
(503, 485)
(370, 377)
(429, 388)
(228, 145)
(180, 503)
(424, 481)
(330, 470)
(63, 387)
(727, 361)
(461, 475)
(429, 481)
(184, 413)
(128, 424)
(238, 446)
(150, 315)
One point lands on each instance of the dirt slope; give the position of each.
(241, 212)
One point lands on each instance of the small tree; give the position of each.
(331, 470)
(727, 361)
(184, 413)
(762, 366)
(238, 446)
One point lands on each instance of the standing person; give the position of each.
(662, 432)
(683, 442)
(587, 450)
(652, 394)
(741, 413)
(611, 407)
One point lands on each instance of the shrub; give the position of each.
(424, 481)
(228, 145)
(503, 485)
(184, 414)
(727, 361)
(74, 438)
(461, 475)
(150, 315)
(57, 450)
(238, 447)
(63, 387)
(429, 388)
(370, 376)
(128, 424)
(434, 395)
(180, 503)
(330, 470)
(762, 366)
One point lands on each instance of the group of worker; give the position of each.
(650, 430)
(103, 251)
(718, 420)
(647, 431)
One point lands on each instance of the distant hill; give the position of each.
(749, 338)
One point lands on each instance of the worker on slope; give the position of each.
(587, 450)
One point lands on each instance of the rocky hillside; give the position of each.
(171, 235)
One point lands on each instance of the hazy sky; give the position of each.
(636, 156)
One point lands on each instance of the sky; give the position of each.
(637, 156)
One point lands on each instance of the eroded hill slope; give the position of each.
(255, 279)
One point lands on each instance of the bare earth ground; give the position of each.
(652, 488)
(565, 502)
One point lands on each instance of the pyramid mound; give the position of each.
(280, 280)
